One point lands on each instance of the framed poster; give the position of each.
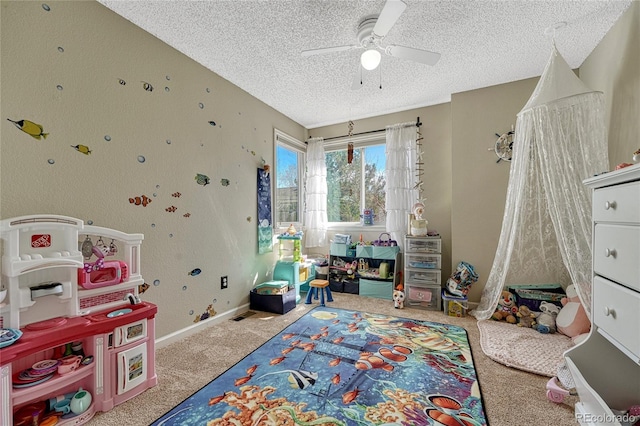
(265, 228)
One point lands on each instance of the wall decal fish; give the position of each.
(29, 127)
(202, 179)
(143, 287)
(82, 149)
(142, 200)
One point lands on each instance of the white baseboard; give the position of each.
(176, 336)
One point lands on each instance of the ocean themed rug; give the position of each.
(342, 367)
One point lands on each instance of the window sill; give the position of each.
(356, 227)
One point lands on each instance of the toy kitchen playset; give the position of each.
(75, 339)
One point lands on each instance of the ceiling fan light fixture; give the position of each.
(370, 59)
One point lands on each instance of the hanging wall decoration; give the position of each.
(419, 158)
(265, 229)
(350, 145)
(504, 146)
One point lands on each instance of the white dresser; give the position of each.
(606, 366)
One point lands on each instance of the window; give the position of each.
(354, 187)
(289, 169)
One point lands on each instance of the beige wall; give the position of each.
(99, 48)
(479, 184)
(614, 68)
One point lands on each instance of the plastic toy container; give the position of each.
(454, 306)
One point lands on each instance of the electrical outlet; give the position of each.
(224, 282)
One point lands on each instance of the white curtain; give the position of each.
(400, 176)
(315, 215)
(560, 140)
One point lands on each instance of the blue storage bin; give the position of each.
(364, 251)
(379, 289)
(338, 249)
(387, 253)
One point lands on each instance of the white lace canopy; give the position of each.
(560, 140)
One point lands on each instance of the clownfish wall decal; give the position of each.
(142, 200)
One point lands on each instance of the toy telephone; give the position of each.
(112, 272)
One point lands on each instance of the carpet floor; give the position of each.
(510, 396)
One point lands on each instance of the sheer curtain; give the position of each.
(315, 215)
(400, 178)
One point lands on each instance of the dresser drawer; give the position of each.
(620, 203)
(422, 261)
(422, 276)
(422, 245)
(616, 253)
(616, 310)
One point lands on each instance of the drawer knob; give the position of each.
(609, 312)
(609, 205)
(610, 252)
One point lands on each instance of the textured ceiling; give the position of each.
(257, 46)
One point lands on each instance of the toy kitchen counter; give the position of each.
(76, 339)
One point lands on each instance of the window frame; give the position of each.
(359, 141)
(282, 139)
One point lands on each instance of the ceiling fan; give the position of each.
(371, 33)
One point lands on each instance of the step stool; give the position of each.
(321, 286)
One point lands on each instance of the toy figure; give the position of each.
(418, 224)
(547, 318)
(526, 318)
(506, 308)
(398, 298)
(572, 320)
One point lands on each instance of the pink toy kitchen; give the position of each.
(75, 338)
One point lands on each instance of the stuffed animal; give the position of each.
(572, 320)
(398, 298)
(526, 318)
(547, 318)
(506, 309)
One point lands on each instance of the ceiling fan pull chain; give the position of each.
(380, 76)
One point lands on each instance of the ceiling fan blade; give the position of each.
(324, 50)
(417, 55)
(390, 13)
